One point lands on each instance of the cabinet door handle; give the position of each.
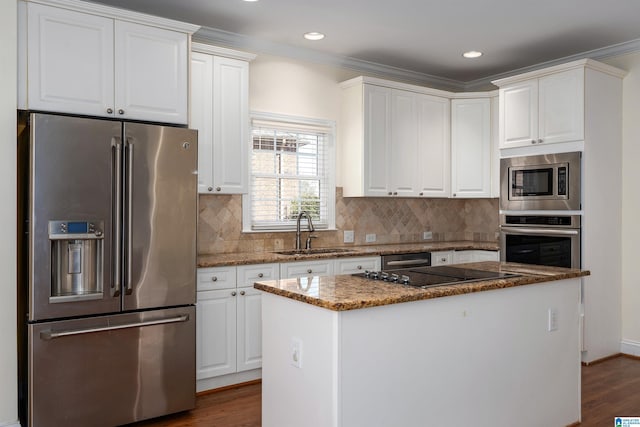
(120, 111)
(218, 189)
(242, 292)
(109, 110)
(214, 279)
(260, 275)
(210, 189)
(309, 271)
(233, 294)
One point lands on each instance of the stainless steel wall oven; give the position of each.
(552, 240)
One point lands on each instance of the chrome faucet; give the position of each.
(310, 228)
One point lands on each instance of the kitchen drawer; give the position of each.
(289, 270)
(356, 265)
(249, 274)
(213, 278)
(442, 258)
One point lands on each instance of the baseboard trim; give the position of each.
(229, 387)
(604, 359)
(216, 383)
(630, 347)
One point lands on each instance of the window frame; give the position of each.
(294, 123)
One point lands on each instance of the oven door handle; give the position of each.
(540, 231)
(405, 262)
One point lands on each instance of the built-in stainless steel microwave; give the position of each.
(542, 182)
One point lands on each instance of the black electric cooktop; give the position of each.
(426, 277)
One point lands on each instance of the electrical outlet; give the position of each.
(348, 236)
(552, 319)
(295, 352)
(370, 238)
(427, 235)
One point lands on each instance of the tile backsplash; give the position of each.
(392, 220)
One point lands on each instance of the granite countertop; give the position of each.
(244, 258)
(341, 293)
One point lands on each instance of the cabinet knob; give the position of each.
(359, 267)
(533, 141)
(260, 275)
(218, 188)
(242, 292)
(121, 111)
(421, 194)
(390, 193)
(454, 194)
(395, 193)
(233, 294)
(109, 110)
(214, 279)
(443, 259)
(540, 141)
(309, 271)
(209, 188)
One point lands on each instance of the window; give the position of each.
(292, 170)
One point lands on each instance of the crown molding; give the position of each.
(238, 41)
(214, 36)
(619, 49)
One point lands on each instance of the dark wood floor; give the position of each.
(609, 389)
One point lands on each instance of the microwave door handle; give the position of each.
(116, 285)
(538, 231)
(129, 213)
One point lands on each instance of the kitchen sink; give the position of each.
(314, 251)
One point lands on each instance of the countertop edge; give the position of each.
(413, 294)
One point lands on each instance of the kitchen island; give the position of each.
(342, 351)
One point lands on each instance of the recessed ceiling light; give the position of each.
(250, 1)
(472, 54)
(314, 35)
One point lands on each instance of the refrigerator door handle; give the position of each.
(116, 285)
(129, 213)
(49, 334)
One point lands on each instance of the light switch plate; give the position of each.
(295, 352)
(370, 238)
(427, 235)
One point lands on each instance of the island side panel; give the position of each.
(481, 359)
(308, 395)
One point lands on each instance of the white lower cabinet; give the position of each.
(441, 258)
(215, 333)
(356, 265)
(292, 270)
(229, 323)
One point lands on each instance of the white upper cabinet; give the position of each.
(376, 147)
(70, 61)
(434, 146)
(82, 58)
(220, 113)
(395, 141)
(471, 147)
(151, 77)
(544, 110)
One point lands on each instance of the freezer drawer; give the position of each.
(112, 370)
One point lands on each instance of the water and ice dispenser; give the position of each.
(77, 260)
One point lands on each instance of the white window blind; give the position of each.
(292, 170)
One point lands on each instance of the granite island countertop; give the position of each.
(346, 292)
(245, 258)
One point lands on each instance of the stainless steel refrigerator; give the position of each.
(107, 270)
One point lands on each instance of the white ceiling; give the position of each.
(423, 37)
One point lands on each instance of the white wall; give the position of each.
(304, 89)
(8, 87)
(630, 201)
